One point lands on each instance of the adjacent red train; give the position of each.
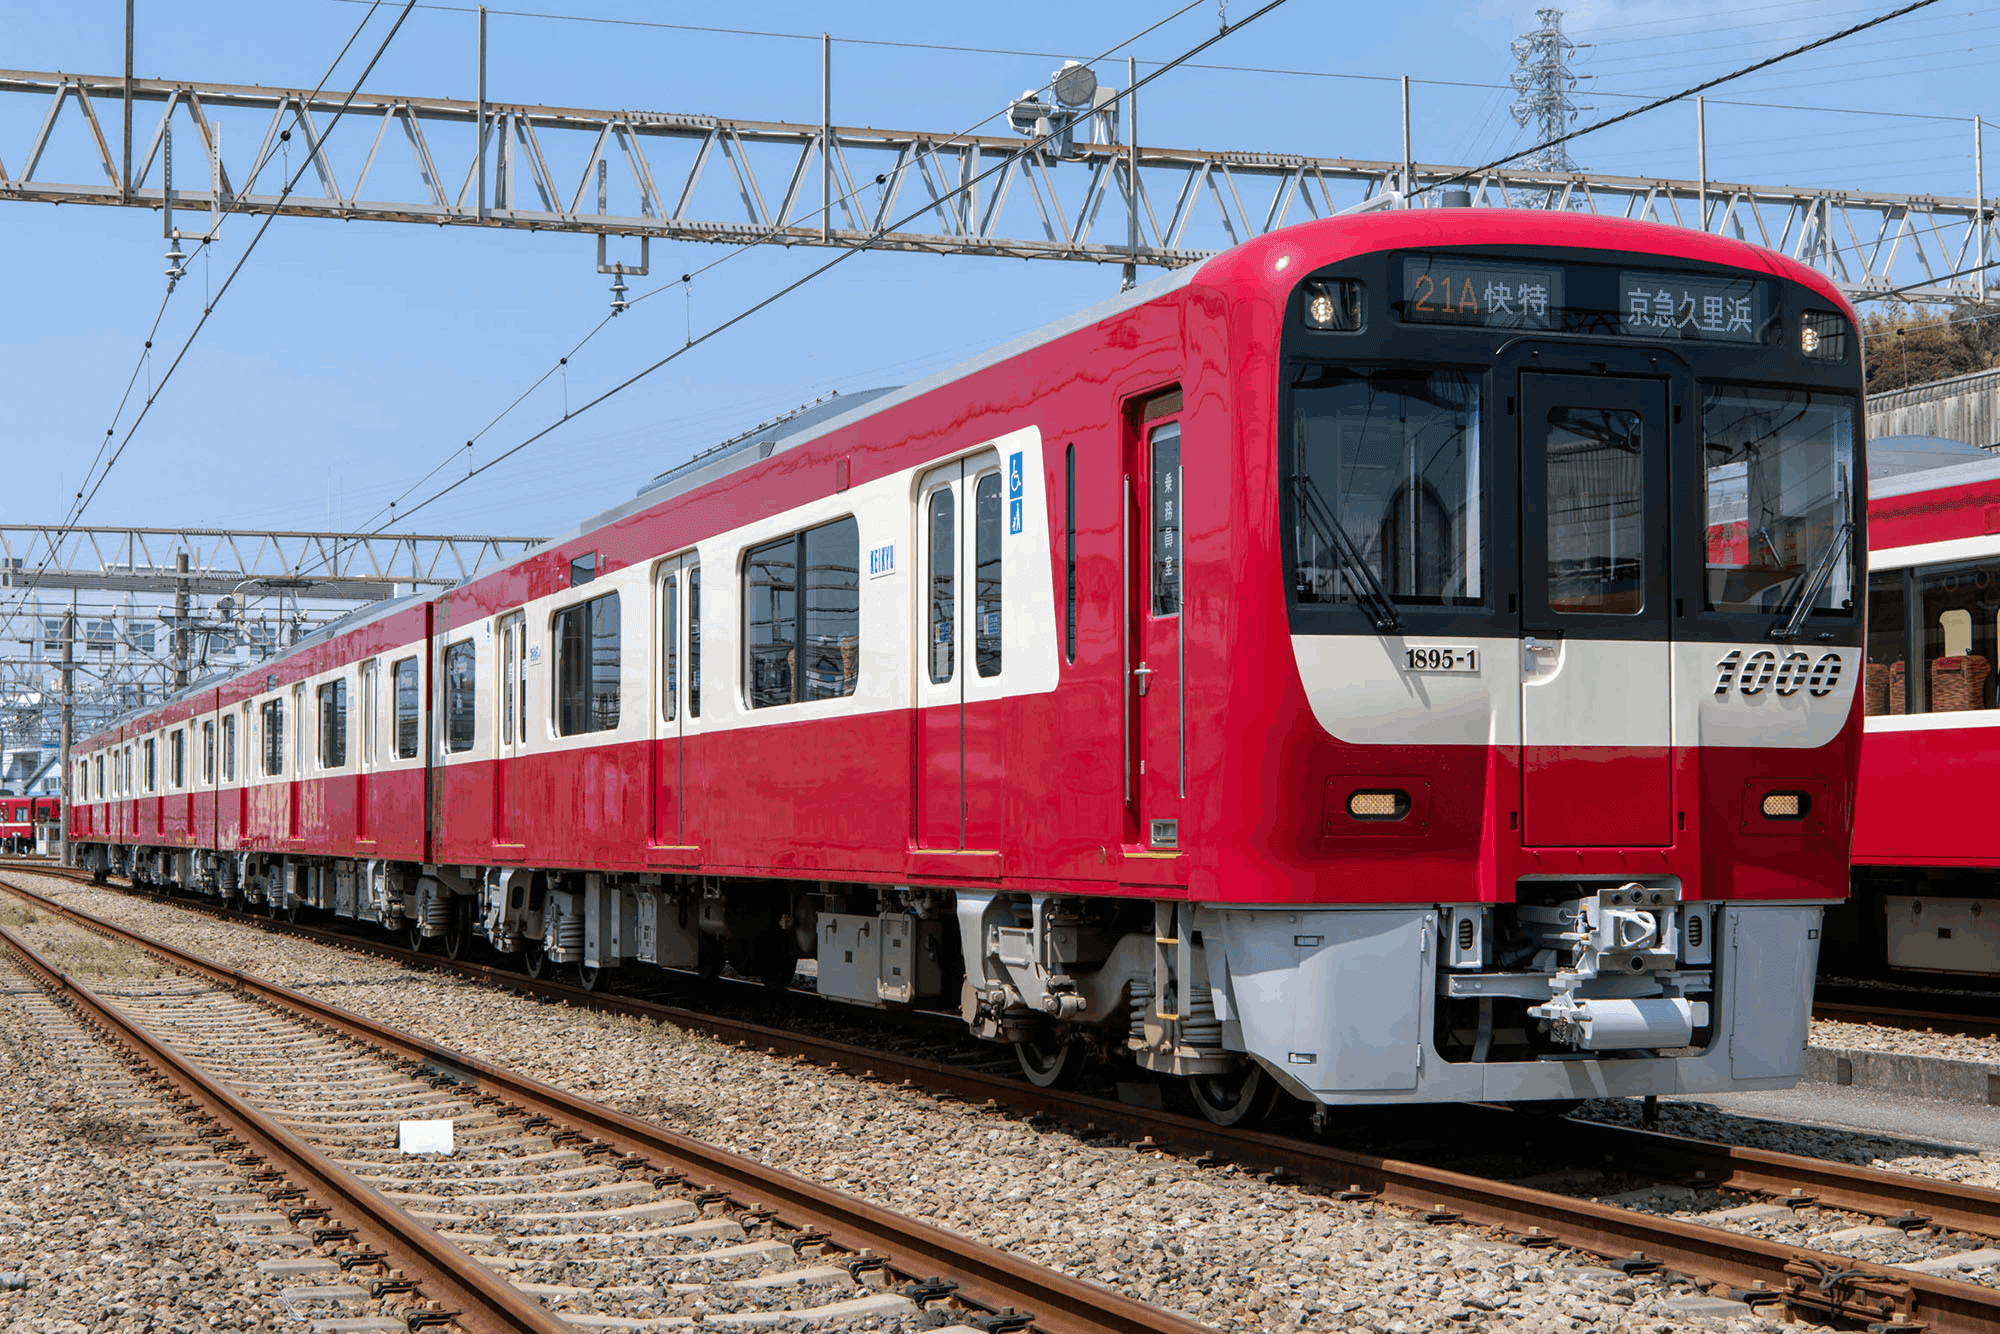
(1926, 855)
(1309, 673)
(23, 821)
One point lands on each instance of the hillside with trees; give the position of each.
(1915, 345)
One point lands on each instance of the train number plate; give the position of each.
(1441, 658)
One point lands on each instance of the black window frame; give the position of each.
(409, 725)
(460, 725)
(331, 704)
(794, 669)
(228, 745)
(580, 701)
(177, 758)
(271, 724)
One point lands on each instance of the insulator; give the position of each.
(618, 290)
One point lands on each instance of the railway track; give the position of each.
(553, 1213)
(1814, 1283)
(1854, 1005)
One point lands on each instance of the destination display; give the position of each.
(1494, 294)
(1673, 305)
(1625, 303)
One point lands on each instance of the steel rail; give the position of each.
(486, 1304)
(1950, 1306)
(987, 1276)
(1940, 1021)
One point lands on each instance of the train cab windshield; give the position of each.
(1778, 473)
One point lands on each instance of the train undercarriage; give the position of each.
(1577, 989)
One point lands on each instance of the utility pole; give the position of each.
(183, 636)
(68, 729)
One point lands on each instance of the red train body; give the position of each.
(24, 822)
(1427, 747)
(1925, 854)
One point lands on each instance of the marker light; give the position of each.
(1786, 805)
(1392, 804)
(1334, 305)
(1823, 335)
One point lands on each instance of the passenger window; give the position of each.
(588, 645)
(273, 720)
(371, 707)
(694, 641)
(461, 695)
(333, 724)
(228, 747)
(670, 678)
(1959, 638)
(208, 753)
(177, 760)
(152, 766)
(802, 616)
(944, 565)
(97, 775)
(1166, 443)
(409, 708)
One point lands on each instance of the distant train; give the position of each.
(28, 823)
(1926, 893)
(1312, 673)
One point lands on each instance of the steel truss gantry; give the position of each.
(704, 178)
(138, 612)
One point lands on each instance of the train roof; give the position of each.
(1899, 465)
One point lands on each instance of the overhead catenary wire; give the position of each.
(1031, 146)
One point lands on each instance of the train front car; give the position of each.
(1538, 709)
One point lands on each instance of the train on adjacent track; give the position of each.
(1406, 657)
(1925, 904)
(26, 823)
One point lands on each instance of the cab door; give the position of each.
(1596, 757)
(1155, 697)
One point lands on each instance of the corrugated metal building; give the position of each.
(1965, 407)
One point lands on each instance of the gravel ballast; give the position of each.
(1221, 1246)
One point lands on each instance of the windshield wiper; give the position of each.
(1368, 589)
(1809, 590)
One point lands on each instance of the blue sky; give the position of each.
(351, 358)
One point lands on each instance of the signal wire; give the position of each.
(1031, 146)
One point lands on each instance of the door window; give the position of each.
(461, 695)
(987, 568)
(1596, 527)
(409, 705)
(1167, 520)
(670, 645)
(944, 583)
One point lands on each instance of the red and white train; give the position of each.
(26, 822)
(1926, 893)
(1308, 673)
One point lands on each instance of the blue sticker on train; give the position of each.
(1014, 516)
(1013, 477)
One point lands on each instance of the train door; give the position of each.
(511, 664)
(295, 780)
(670, 603)
(1155, 694)
(961, 594)
(370, 756)
(1596, 758)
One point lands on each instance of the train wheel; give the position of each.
(416, 938)
(99, 876)
(1049, 1062)
(295, 910)
(1240, 1098)
(588, 976)
(458, 927)
(534, 960)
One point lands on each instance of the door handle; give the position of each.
(1144, 673)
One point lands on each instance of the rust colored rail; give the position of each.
(484, 1304)
(985, 1275)
(1858, 1290)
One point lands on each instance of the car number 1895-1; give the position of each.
(1437, 658)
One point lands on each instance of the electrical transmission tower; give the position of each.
(1543, 86)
